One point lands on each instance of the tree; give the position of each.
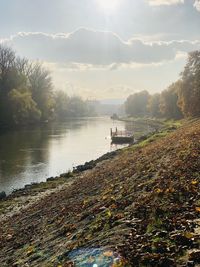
(189, 93)
(61, 105)
(26, 93)
(168, 102)
(136, 104)
(10, 78)
(7, 68)
(77, 107)
(24, 109)
(41, 89)
(154, 105)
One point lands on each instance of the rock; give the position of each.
(2, 195)
(27, 186)
(50, 179)
(87, 166)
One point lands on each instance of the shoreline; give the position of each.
(88, 165)
(31, 192)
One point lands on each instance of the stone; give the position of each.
(2, 195)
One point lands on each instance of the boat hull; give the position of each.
(122, 139)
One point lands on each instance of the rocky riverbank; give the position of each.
(141, 207)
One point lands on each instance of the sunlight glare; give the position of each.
(108, 5)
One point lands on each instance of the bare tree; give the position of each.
(7, 60)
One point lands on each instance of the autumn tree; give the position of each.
(154, 105)
(189, 94)
(136, 104)
(169, 102)
(23, 107)
(25, 90)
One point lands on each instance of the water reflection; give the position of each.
(32, 155)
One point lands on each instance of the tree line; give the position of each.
(27, 95)
(180, 99)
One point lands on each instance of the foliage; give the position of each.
(41, 89)
(189, 94)
(136, 104)
(180, 99)
(168, 102)
(25, 90)
(153, 105)
(23, 107)
(70, 107)
(27, 96)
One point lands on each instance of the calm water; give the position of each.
(33, 155)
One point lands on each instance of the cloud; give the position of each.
(172, 2)
(84, 47)
(197, 5)
(165, 2)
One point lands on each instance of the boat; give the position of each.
(121, 137)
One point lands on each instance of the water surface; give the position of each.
(33, 155)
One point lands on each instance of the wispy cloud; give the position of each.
(173, 2)
(165, 2)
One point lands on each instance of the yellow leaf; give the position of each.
(108, 253)
(109, 214)
(189, 235)
(158, 190)
(194, 182)
(85, 202)
(30, 250)
(197, 209)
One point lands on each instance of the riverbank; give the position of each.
(139, 208)
(163, 129)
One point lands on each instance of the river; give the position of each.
(32, 155)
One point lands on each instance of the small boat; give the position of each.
(121, 137)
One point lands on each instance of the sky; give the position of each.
(104, 49)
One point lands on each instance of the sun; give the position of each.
(108, 5)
